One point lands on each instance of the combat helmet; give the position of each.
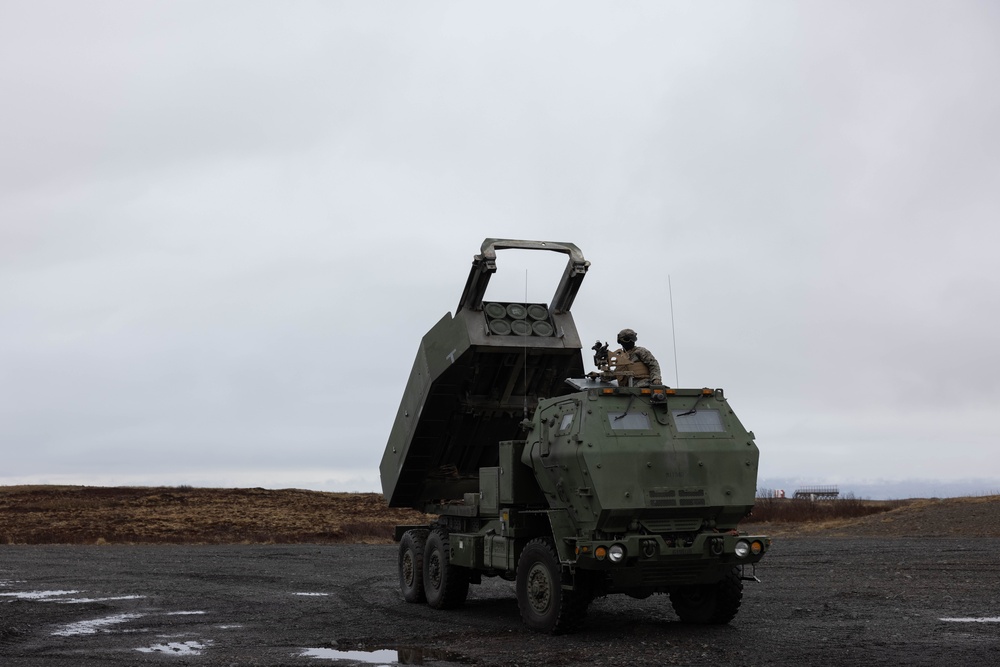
(627, 336)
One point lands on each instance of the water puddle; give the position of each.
(59, 597)
(38, 595)
(177, 648)
(94, 626)
(383, 657)
(409, 655)
(86, 600)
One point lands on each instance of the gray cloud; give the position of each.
(225, 226)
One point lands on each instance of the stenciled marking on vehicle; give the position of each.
(94, 626)
(380, 657)
(984, 619)
(178, 648)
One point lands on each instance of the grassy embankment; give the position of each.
(801, 510)
(186, 515)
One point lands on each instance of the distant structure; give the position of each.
(817, 492)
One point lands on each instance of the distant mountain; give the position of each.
(889, 489)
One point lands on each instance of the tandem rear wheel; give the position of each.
(445, 585)
(426, 573)
(411, 565)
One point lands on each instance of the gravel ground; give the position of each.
(821, 601)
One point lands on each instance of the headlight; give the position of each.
(616, 553)
(742, 549)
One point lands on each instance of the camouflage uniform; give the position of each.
(641, 362)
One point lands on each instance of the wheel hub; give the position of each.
(434, 569)
(539, 589)
(408, 568)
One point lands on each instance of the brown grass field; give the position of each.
(187, 515)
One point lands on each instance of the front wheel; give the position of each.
(545, 605)
(709, 604)
(411, 565)
(445, 585)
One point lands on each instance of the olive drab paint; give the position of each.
(563, 481)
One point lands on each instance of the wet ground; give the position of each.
(898, 601)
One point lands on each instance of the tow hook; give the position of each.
(716, 546)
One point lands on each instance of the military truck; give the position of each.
(570, 484)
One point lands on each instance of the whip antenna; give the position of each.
(673, 333)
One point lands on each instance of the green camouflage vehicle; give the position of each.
(567, 484)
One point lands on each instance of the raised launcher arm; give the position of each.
(474, 377)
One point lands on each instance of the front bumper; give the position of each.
(654, 560)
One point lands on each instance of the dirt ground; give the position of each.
(822, 602)
(917, 585)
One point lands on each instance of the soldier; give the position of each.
(634, 363)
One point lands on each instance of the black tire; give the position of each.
(545, 605)
(445, 585)
(411, 565)
(709, 604)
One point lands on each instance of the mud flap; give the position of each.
(561, 524)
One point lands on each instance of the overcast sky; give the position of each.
(224, 226)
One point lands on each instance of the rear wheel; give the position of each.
(445, 585)
(411, 565)
(706, 604)
(545, 605)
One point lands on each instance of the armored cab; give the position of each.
(572, 485)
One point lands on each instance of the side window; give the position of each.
(566, 422)
(702, 421)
